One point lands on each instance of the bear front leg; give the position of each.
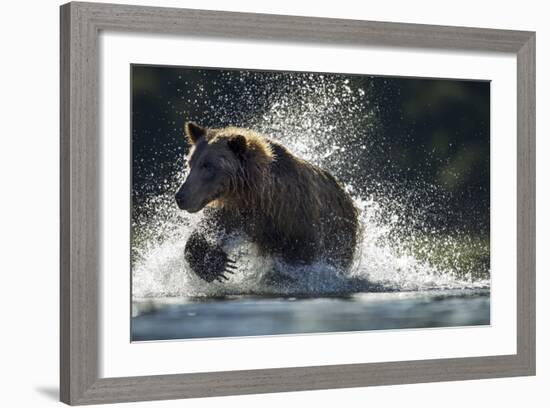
(207, 260)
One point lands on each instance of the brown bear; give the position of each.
(249, 183)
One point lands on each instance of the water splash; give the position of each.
(330, 121)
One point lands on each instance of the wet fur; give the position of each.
(285, 205)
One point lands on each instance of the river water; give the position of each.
(235, 316)
(390, 286)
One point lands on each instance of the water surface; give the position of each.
(230, 316)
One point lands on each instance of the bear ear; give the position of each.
(194, 132)
(237, 144)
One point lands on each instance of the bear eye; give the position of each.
(206, 166)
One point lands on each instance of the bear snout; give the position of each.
(180, 200)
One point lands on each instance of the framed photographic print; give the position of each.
(259, 203)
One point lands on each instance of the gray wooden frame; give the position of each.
(80, 233)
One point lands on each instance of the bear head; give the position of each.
(223, 165)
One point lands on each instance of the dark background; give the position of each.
(420, 146)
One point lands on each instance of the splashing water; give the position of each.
(328, 121)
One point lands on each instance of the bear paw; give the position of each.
(214, 265)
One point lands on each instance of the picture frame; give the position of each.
(80, 234)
